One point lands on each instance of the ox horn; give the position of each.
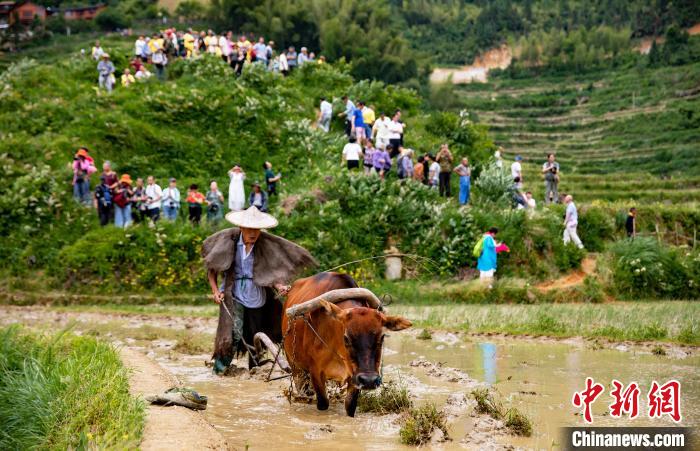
(335, 296)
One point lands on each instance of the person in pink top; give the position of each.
(83, 167)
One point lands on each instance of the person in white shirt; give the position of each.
(571, 223)
(154, 196)
(531, 202)
(225, 46)
(380, 131)
(283, 64)
(139, 47)
(324, 115)
(351, 153)
(142, 73)
(516, 169)
(498, 155)
(171, 200)
(433, 172)
(395, 134)
(97, 51)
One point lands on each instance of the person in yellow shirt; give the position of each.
(188, 40)
(127, 78)
(368, 117)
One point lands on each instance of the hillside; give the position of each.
(619, 134)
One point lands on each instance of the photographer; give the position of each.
(215, 201)
(140, 211)
(550, 169)
(83, 167)
(171, 200)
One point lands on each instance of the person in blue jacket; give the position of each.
(487, 260)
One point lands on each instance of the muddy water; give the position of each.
(538, 378)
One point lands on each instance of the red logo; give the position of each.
(626, 401)
(665, 400)
(587, 397)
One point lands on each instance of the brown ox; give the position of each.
(348, 347)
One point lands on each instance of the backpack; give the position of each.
(479, 247)
(120, 199)
(104, 195)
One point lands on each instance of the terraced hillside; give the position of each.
(627, 134)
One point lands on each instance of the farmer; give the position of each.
(254, 264)
(488, 255)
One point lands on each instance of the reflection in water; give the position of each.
(488, 354)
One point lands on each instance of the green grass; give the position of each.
(672, 321)
(389, 398)
(64, 392)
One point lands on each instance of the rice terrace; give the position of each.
(324, 224)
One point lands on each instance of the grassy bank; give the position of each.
(64, 392)
(669, 321)
(675, 321)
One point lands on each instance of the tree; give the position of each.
(654, 56)
(676, 51)
(190, 10)
(112, 19)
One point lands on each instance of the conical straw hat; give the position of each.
(252, 218)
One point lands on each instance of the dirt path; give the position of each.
(588, 266)
(167, 428)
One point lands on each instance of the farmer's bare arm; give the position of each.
(212, 276)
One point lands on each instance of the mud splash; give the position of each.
(537, 377)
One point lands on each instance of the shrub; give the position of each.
(493, 188)
(567, 256)
(420, 423)
(595, 227)
(165, 258)
(518, 423)
(643, 268)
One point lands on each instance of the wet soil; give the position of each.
(538, 376)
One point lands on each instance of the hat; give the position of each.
(105, 55)
(81, 153)
(255, 183)
(518, 158)
(125, 178)
(252, 218)
(172, 179)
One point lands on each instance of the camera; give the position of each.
(214, 208)
(171, 204)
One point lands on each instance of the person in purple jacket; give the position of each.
(369, 156)
(381, 162)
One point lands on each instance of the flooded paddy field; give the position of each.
(538, 376)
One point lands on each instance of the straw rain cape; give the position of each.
(276, 261)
